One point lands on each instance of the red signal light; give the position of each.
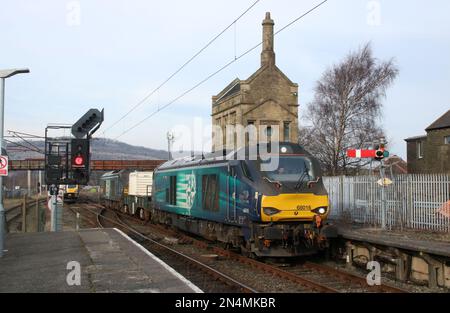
(79, 160)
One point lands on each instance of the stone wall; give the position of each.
(415, 165)
(436, 156)
(437, 153)
(266, 98)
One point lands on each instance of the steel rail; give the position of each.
(204, 267)
(305, 282)
(294, 277)
(270, 269)
(227, 279)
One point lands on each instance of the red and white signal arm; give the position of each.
(360, 153)
(4, 165)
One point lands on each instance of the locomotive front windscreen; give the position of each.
(290, 169)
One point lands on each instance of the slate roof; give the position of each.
(416, 138)
(230, 90)
(442, 122)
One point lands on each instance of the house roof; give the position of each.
(442, 122)
(399, 165)
(416, 138)
(234, 87)
(231, 89)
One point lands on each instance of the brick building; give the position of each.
(267, 98)
(430, 153)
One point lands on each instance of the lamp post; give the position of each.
(170, 139)
(3, 75)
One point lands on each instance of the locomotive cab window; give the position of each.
(290, 169)
(210, 189)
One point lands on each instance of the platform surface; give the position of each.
(109, 261)
(425, 241)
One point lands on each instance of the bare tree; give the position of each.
(346, 109)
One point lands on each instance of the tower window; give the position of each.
(269, 132)
(447, 140)
(250, 134)
(286, 131)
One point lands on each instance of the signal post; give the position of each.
(67, 159)
(378, 154)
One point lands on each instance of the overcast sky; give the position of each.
(110, 54)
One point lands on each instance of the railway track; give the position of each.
(317, 277)
(313, 276)
(82, 209)
(308, 276)
(205, 277)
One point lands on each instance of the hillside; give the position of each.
(107, 149)
(101, 148)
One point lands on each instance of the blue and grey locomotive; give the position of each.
(279, 212)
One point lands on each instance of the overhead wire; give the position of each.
(181, 67)
(218, 71)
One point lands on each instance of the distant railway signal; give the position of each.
(377, 154)
(360, 153)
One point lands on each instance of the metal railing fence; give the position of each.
(414, 201)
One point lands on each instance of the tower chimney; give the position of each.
(267, 54)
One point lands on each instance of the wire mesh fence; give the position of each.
(413, 201)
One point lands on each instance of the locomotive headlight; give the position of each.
(321, 210)
(270, 211)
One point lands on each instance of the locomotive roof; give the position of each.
(285, 148)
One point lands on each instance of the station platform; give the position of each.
(109, 261)
(426, 242)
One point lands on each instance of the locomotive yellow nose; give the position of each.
(293, 207)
